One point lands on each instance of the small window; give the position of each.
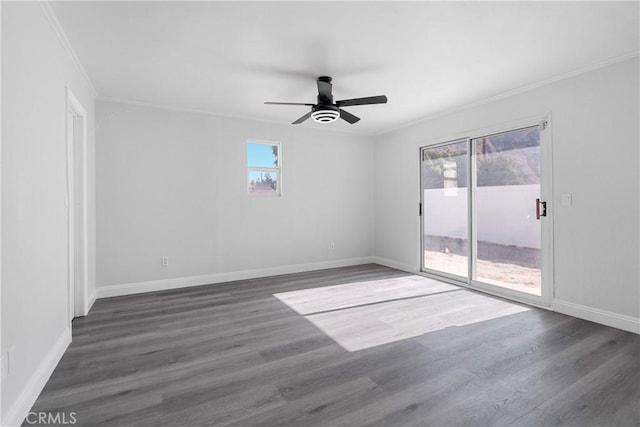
(264, 165)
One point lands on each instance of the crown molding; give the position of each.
(57, 28)
(512, 92)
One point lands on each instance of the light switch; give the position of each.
(566, 199)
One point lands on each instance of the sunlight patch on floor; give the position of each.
(367, 314)
(308, 301)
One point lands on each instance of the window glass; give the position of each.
(261, 182)
(263, 168)
(262, 155)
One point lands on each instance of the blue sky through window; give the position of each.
(261, 156)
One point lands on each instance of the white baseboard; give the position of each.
(208, 279)
(608, 318)
(16, 414)
(395, 264)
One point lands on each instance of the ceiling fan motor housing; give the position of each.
(326, 113)
(324, 91)
(326, 110)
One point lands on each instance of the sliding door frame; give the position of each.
(546, 223)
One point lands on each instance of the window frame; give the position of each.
(276, 169)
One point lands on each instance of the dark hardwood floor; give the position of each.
(235, 354)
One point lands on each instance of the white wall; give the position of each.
(36, 70)
(173, 184)
(595, 157)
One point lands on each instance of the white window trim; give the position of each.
(277, 170)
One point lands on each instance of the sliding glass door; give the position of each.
(483, 212)
(507, 189)
(445, 240)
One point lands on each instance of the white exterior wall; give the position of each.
(506, 214)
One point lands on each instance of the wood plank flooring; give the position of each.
(234, 354)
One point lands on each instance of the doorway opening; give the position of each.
(484, 212)
(77, 206)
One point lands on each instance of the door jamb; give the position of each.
(76, 139)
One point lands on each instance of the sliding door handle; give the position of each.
(543, 211)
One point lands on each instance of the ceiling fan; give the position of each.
(327, 111)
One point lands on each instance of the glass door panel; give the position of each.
(507, 244)
(445, 232)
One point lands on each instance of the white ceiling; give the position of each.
(227, 58)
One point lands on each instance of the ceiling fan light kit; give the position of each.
(327, 111)
(325, 114)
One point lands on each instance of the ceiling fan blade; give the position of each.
(324, 88)
(288, 103)
(380, 99)
(302, 119)
(348, 116)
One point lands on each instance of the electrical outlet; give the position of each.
(164, 261)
